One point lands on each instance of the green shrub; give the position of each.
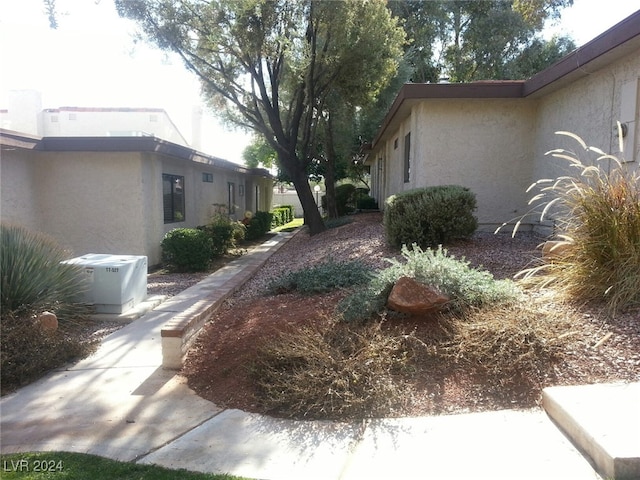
(259, 225)
(279, 216)
(345, 198)
(430, 216)
(225, 233)
(222, 237)
(466, 286)
(33, 277)
(239, 232)
(323, 278)
(366, 202)
(188, 249)
(290, 212)
(598, 213)
(282, 215)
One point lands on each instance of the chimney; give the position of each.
(196, 127)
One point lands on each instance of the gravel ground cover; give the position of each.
(602, 349)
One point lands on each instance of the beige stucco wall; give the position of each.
(17, 202)
(110, 202)
(485, 145)
(590, 107)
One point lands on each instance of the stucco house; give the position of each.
(119, 195)
(492, 136)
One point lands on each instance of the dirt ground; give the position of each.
(219, 365)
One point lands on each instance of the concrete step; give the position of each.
(603, 421)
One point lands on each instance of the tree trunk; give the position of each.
(330, 175)
(312, 216)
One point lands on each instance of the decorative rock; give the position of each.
(555, 249)
(414, 298)
(48, 321)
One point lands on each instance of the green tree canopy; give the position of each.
(480, 40)
(269, 65)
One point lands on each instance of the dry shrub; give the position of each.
(338, 371)
(28, 352)
(597, 211)
(510, 345)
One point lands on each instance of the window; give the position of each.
(395, 144)
(173, 198)
(407, 157)
(232, 198)
(207, 177)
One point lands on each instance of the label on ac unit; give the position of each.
(89, 274)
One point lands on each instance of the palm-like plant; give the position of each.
(33, 277)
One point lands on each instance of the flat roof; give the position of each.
(11, 139)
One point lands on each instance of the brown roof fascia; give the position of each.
(613, 38)
(120, 144)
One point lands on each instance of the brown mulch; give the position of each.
(219, 365)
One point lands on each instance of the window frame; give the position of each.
(173, 207)
(407, 158)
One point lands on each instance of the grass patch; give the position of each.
(78, 466)
(291, 226)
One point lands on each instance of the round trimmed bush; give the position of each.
(187, 249)
(430, 216)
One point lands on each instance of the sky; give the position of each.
(92, 60)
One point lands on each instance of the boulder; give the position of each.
(412, 297)
(48, 322)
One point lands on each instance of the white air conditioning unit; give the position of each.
(117, 283)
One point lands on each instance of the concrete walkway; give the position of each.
(121, 404)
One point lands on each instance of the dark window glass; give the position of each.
(173, 198)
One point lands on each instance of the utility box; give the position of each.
(117, 283)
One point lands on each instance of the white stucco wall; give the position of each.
(83, 122)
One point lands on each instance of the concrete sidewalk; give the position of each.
(121, 404)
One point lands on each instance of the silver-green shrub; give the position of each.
(465, 285)
(323, 277)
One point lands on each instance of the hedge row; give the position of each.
(281, 215)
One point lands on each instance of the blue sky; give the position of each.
(91, 60)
